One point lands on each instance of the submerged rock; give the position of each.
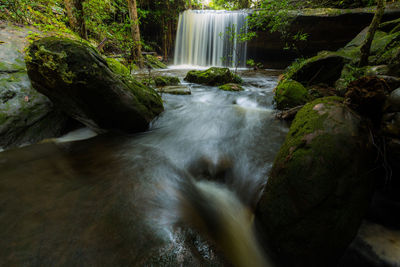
(319, 187)
(213, 76)
(175, 90)
(166, 80)
(289, 94)
(78, 80)
(231, 87)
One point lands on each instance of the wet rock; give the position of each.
(78, 81)
(213, 76)
(289, 94)
(319, 187)
(175, 90)
(367, 96)
(394, 100)
(231, 87)
(375, 245)
(166, 80)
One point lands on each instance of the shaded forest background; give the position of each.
(109, 21)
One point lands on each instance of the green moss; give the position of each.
(166, 80)
(213, 76)
(231, 87)
(154, 63)
(117, 66)
(289, 94)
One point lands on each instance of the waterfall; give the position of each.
(201, 38)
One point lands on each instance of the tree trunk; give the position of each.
(70, 6)
(366, 46)
(137, 47)
(76, 17)
(190, 4)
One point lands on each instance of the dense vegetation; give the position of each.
(110, 22)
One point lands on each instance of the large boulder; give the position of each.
(319, 186)
(289, 94)
(79, 81)
(324, 68)
(26, 116)
(213, 76)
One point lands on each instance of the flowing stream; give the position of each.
(211, 38)
(114, 199)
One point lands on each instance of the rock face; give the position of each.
(78, 80)
(319, 186)
(343, 25)
(26, 116)
(290, 94)
(213, 76)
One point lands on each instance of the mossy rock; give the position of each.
(154, 63)
(213, 76)
(231, 87)
(324, 68)
(289, 94)
(319, 187)
(117, 66)
(78, 80)
(166, 81)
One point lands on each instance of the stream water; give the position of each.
(112, 199)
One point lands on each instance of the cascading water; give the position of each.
(202, 38)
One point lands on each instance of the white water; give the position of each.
(201, 38)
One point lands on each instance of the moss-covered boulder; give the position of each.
(231, 87)
(117, 67)
(213, 76)
(319, 186)
(324, 68)
(289, 94)
(152, 62)
(78, 80)
(166, 81)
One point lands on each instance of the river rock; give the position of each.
(166, 80)
(213, 76)
(175, 90)
(319, 187)
(290, 94)
(79, 81)
(231, 87)
(26, 116)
